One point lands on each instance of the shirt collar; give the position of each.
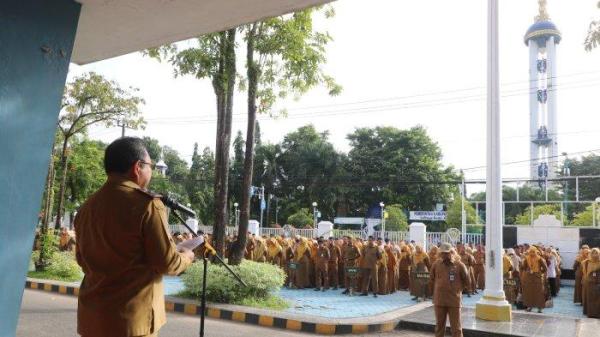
(122, 181)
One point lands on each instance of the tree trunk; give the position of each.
(41, 262)
(224, 86)
(72, 198)
(237, 253)
(49, 195)
(63, 182)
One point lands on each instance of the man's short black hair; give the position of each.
(122, 153)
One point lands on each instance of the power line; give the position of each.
(388, 108)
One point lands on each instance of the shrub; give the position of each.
(262, 279)
(62, 266)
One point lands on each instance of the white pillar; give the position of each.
(493, 305)
(552, 107)
(193, 224)
(418, 233)
(533, 106)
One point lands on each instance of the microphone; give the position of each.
(176, 206)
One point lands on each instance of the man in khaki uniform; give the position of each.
(449, 277)
(124, 249)
(369, 263)
(335, 254)
(321, 267)
(351, 255)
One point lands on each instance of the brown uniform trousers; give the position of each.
(449, 280)
(350, 255)
(335, 257)
(321, 267)
(369, 270)
(124, 249)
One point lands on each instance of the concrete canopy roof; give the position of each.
(109, 28)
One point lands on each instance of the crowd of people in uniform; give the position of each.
(380, 267)
(532, 273)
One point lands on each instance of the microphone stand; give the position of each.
(208, 251)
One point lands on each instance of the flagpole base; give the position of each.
(493, 309)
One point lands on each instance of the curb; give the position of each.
(188, 307)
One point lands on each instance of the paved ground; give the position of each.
(332, 304)
(49, 315)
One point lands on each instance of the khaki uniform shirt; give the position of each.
(322, 257)
(449, 281)
(371, 255)
(124, 249)
(351, 255)
(335, 253)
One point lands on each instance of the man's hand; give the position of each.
(187, 253)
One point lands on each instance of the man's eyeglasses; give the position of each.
(152, 165)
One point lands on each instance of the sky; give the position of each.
(401, 64)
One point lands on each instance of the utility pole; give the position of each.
(123, 126)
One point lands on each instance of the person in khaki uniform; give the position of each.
(582, 256)
(591, 284)
(350, 255)
(321, 266)
(369, 271)
(274, 252)
(335, 254)
(449, 277)
(404, 263)
(382, 270)
(479, 267)
(250, 246)
(124, 249)
(533, 280)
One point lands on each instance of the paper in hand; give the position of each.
(192, 243)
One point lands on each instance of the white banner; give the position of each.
(349, 221)
(428, 215)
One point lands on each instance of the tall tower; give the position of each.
(542, 38)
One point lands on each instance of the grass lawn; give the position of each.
(50, 276)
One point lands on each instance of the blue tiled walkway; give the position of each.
(332, 304)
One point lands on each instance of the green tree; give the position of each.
(283, 55)
(586, 217)
(397, 166)
(592, 39)
(153, 147)
(214, 58)
(91, 99)
(396, 219)
(548, 209)
(589, 188)
(309, 165)
(200, 184)
(454, 213)
(85, 171)
(529, 192)
(237, 169)
(301, 219)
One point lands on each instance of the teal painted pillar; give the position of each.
(36, 40)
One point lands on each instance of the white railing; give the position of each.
(432, 238)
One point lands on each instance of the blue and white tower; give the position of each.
(542, 38)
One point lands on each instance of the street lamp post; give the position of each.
(237, 214)
(382, 205)
(594, 210)
(314, 205)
